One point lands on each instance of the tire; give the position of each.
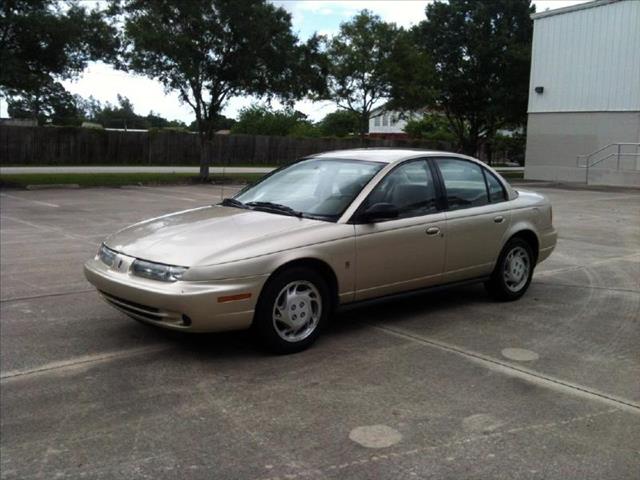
(512, 274)
(292, 310)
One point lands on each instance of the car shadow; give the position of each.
(385, 311)
(401, 308)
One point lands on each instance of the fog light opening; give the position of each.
(186, 321)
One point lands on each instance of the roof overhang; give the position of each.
(572, 8)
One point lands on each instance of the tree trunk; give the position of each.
(471, 141)
(204, 160)
(470, 145)
(489, 150)
(490, 137)
(364, 126)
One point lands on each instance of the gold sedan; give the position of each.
(328, 230)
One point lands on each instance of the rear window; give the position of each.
(496, 190)
(464, 183)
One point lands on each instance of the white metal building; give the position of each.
(584, 95)
(384, 122)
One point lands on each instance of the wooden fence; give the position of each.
(83, 146)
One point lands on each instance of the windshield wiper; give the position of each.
(232, 202)
(275, 208)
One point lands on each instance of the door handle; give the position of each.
(498, 219)
(432, 231)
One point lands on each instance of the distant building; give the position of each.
(389, 124)
(584, 94)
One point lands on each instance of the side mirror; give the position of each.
(377, 212)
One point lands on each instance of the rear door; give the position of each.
(477, 218)
(407, 252)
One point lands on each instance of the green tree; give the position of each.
(430, 127)
(481, 54)
(121, 115)
(219, 122)
(52, 104)
(40, 43)
(410, 74)
(212, 50)
(340, 124)
(359, 57)
(260, 120)
(305, 129)
(156, 121)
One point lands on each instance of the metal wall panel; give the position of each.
(587, 60)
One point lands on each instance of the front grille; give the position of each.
(134, 308)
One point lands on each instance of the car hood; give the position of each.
(201, 235)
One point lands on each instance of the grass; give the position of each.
(118, 179)
(512, 175)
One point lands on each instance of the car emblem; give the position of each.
(120, 264)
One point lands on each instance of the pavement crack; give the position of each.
(45, 295)
(55, 367)
(572, 268)
(382, 457)
(558, 284)
(516, 370)
(49, 229)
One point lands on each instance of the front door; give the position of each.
(407, 252)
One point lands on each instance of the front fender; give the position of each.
(338, 254)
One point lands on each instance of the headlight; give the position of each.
(106, 255)
(157, 271)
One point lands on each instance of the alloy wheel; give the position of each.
(297, 311)
(516, 269)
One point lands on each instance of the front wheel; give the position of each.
(292, 310)
(513, 272)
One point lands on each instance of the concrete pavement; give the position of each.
(440, 385)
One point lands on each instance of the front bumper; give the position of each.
(187, 306)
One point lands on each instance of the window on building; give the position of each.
(376, 121)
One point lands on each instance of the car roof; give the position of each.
(382, 155)
(391, 155)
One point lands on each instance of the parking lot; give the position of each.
(439, 385)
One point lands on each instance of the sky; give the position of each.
(308, 16)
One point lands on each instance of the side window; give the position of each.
(409, 187)
(496, 190)
(464, 183)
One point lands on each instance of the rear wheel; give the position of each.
(513, 272)
(292, 310)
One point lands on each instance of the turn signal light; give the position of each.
(233, 298)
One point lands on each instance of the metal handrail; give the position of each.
(589, 155)
(616, 154)
(613, 154)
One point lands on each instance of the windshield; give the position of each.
(316, 188)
